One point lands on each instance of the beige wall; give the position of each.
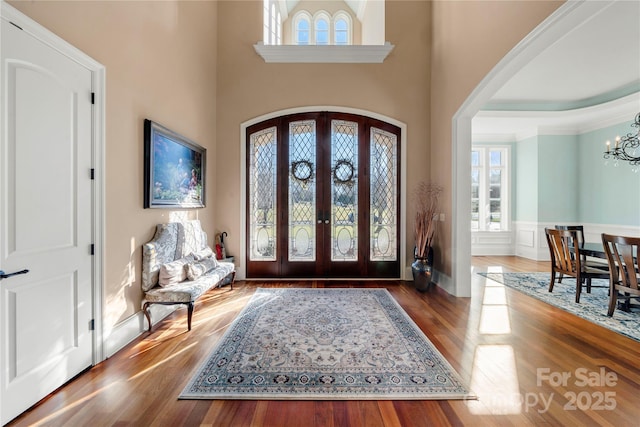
(175, 63)
(469, 39)
(248, 88)
(160, 60)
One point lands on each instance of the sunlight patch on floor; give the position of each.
(494, 314)
(495, 320)
(167, 359)
(54, 415)
(494, 379)
(494, 295)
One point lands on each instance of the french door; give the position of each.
(323, 197)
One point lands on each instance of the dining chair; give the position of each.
(624, 282)
(563, 244)
(586, 261)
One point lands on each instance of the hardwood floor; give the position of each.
(513, 351)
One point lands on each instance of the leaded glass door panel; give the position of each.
(322, 197)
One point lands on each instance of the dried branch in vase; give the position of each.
(426, 196)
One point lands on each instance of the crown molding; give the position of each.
(524, 124)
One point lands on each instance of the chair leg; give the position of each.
(613, 299)
(553, 280)
(189, 314)
(588, 285)
(560, 276)
(578, 287)
(145, 309)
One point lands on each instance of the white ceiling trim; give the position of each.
(496, 137)
(284, 10)
(524, 124)
(597, 61)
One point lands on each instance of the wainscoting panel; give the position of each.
(593, 232)
(531, 243)
(492, 243)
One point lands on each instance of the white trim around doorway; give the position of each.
(561, 22)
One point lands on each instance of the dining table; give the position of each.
(593, 249)
(596, 250)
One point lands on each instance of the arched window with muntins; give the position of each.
(322, 31)
(322, 28)
(341, 29)
(302, 30)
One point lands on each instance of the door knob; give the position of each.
(4, 275)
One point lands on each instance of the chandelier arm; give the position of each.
(627, 148)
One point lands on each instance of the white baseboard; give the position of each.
(131, 328)
(439, 279)
(446, 282)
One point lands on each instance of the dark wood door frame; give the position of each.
(323, 267)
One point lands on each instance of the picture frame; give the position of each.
(174, 169)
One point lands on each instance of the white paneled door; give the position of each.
(45, 220)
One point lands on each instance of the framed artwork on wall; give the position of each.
(174, 169)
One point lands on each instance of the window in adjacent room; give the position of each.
(489, 188)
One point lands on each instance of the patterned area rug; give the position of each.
(592, 307)
(325, 344)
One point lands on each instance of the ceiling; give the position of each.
(588, 79)
(593, 68)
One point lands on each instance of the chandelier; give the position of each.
(626, 148)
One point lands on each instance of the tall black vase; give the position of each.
(422, 269)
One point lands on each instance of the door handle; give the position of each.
(4, 275)
(323, 217)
